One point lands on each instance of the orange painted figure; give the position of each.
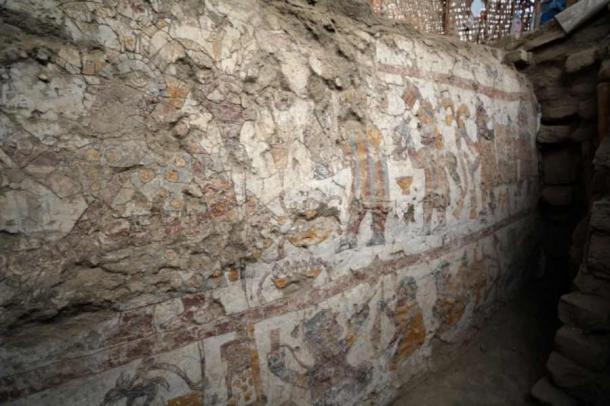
(470, 285)
(410, 333)
(242, 376)
(370, 192)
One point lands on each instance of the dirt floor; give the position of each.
(498, 365)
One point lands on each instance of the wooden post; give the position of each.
(446, 17)
(572, 17)
(511, 16)
(537, 9)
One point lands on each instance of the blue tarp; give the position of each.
(550, 8)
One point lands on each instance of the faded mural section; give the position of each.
(273, 204)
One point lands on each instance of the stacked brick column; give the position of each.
(572, 78)
(564, 73)
(580, 364)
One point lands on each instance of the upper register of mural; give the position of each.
(247, 202)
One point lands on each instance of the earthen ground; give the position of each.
(498, 365)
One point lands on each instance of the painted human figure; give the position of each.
(370, 191)
(464, 173)
(431, 157)
(331, 380)
(485, 150)
(410, 330)
(242, 373)
(468, 287)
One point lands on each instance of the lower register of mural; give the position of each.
(350, 346)
(274, 204)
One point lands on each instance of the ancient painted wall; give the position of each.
(252, 202)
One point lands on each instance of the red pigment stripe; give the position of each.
(452, 80)
(57, 373)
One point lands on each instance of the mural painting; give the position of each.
(369, 190)
(461, 291)
(242, 378)
(439, 164)
(148, 384)
(408, 321)
(331, 379)
(202, 192)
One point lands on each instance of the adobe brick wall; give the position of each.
(570, 76)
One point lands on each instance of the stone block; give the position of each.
(559, 166)
(549, 134)
(587, 282)
(547, 393)
(599, 255)
(519, 58)
(590, 313)
(558, 195)
(581, 60)
(603, 74)
(576, 380)
(559, 109)
(600, 215)
(555, 55)
(550, 92)
(590, 351)
(546, 76)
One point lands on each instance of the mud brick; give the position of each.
(576, 380)
(547, 393)
(588, 282)
(559, 109)
(599, 255)
(600, 215)
(588, 350)
(549, 134)
(581, 60)
(590, 313)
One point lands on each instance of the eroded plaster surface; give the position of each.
(230, 202)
